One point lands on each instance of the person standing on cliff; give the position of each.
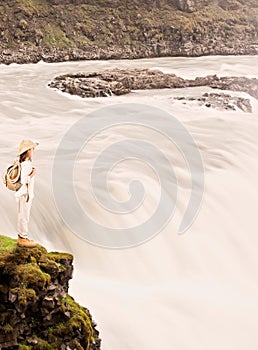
(25, 194)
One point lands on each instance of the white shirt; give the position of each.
(26, 181)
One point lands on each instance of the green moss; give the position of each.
(43, 345)
(79, 319)
(54, 35)
(24, 347)
(30, 7)
(30, 271)
(50, 266)
(58, 257)
(24, 295)
(50, 329)
(59, 329)
(7, 243)
(7, 328)
(32, 276)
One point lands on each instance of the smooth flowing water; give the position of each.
(198, 290)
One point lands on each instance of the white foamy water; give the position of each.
(193, 291)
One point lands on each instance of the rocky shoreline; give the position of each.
(25, 55)
(123, 81)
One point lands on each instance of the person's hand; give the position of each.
(33, 172)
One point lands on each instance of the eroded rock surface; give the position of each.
(220, 101)
(122, 81)
(191, 5)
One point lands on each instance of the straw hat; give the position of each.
(25, 145)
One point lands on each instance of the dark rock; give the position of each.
(221, 101)
(32, 341)
(122, 81)
(114, 82)
(48, 302)
(8, 340)
(191, 5)
(237, 84)
(244, 105)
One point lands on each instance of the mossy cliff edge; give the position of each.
(36, 311)
(62, 30)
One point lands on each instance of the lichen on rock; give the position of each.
(36, 311)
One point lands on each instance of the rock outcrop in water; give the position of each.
(36, 311)
(244, 84)
(115, 82)
(220, 101)
(122, 81)
(56, 30)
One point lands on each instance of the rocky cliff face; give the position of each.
(58, 30)
(36, 311)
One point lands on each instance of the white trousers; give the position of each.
(23, 209)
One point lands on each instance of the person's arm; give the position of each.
(27, 172)
(33, 172)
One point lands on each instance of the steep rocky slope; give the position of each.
(54, 30)
(36, 311)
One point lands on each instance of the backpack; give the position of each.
(12, 176)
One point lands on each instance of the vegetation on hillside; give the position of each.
(128, 28)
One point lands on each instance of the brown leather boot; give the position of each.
(25, 242)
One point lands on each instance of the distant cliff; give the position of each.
(36, 311)
(58, 30)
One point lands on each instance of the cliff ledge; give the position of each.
(36, 311)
